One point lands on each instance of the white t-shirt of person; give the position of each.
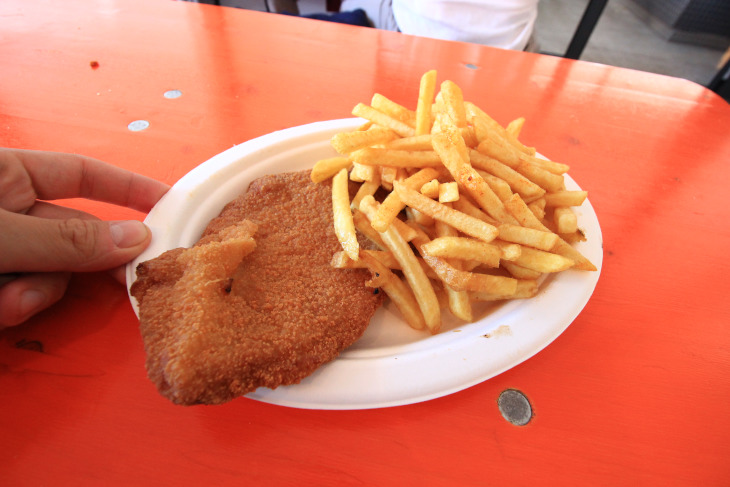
(508, 24)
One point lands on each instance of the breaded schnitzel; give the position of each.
(222, 318)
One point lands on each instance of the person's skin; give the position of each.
(43, 243)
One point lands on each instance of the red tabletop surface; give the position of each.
(634, 391)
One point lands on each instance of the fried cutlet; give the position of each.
(228, 315)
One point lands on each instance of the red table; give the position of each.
(634, 392)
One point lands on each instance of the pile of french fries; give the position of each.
(466, 211)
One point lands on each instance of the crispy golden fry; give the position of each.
(542, 261)
(372, 156)
(537, 207)
(453, 247)
(482, 123)
(340, 260)
(514, 128)
(327, 168)
(461, 221)
(346, 142)
(392, 205)
(510, 251)
(366, 188)
(398, 291)
(361, 173)
(525, 289)
(412, 270)
(415, 143)
(566, 198)
(393, 109)
(471, 281)
(499, 186)
(343, 222)
(431, 189)
(453, 100)
(520, 210)
(499, 148)
(380, 118)
(517, 182)
(458, 301)
(531, 237)
(425, 100)
(468, 178)
(448, 192)
(419, 217)
(464, 205)
(363, 225)
(565, 220)
(520, 272)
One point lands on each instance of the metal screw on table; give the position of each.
(138, 125)
(515, 407)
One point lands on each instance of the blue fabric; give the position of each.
(354, 17)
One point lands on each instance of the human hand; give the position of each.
(44, 243)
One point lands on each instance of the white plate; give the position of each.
(391, 364)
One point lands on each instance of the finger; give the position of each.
(30, 244)
(30, 294)
(57, 175)
(42, 209)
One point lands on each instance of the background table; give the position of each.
(635, 391)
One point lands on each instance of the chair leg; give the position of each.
(585, 28)
(278, 6)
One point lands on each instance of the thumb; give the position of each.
(31, 244)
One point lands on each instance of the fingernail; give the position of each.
(128, 233)
(31, 301)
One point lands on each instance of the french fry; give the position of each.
(393, 109)
(392, 205)
(361, 173)
(346, 142)
(340, 260)
(531, 237)
(398, 292)
(482, 123)
(520, 272)
(458, 301)
(453, 100)
(542, 261)
(366, 188)
(517, 182)
(514, 128)
(469, 179)
(431, 189)
(363, 225)
(519, 210)
(461, 221)
(343, 221)
(452, 247)
(525, 289)
(412, 270)
(380, 118)
(327, 168)
(565, 220)
(448, 192)
(372, 156)
(566, 198)
(425, 100)
(510, 251)
(471, 281)
(419, 217)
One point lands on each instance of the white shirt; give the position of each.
(500, 23)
